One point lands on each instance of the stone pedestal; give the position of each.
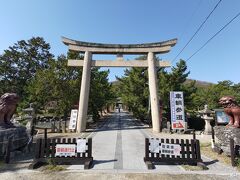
(208, 127)
(224, 134)
(19, 137)
(206, 115)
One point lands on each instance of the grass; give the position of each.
(2, 164)
(238, 163)
(198, 168)
(206, 150)
(194, 168)
(54, 168)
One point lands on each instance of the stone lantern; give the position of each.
(206, 115)
(30, 115)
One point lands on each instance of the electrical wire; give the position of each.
(199, 28)
(214, 36)
(190, 19)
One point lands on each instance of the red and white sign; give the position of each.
(178, 125)
(65, 150)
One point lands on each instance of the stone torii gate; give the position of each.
(149, 49)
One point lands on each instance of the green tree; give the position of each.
(134, 88)
(134, 91)
(175, 81)
(101, 94)
(20, 62)
(61, 84)
(58, 83)
(213, 93)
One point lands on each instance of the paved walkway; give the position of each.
(120, 144)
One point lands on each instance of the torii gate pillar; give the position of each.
(84, 93)
(152, 78)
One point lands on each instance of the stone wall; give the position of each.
(19, 137)
(223, 135)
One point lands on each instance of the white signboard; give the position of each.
(65, 150)
(154, 145)
(177, 110)
(81, 145)
(73, 119)
(170, 149)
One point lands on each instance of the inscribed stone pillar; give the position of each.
(152, 78)
(84, 93)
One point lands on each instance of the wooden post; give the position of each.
(59, 125)
(64, 126)
(8, 150)
(146, 147)
(194, 135)
(198, 151)
(87, 164)
(53, 125)
(148, 163)
(232, 150)
(90, 147)
(45, 137)
(213, 138)
(32, 130)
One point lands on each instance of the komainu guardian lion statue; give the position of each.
(232, 109)
(8, 105)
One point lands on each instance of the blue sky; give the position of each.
(132, 21)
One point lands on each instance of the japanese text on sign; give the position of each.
(170, 149)
(164, 148)
(65, 150)
(81, 145)
(177, 110)
(73, 119)
(154, 145)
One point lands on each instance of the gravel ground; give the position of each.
(115, 175)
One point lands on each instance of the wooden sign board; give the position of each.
(73, 119)
(65, 150)
(81, 145)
